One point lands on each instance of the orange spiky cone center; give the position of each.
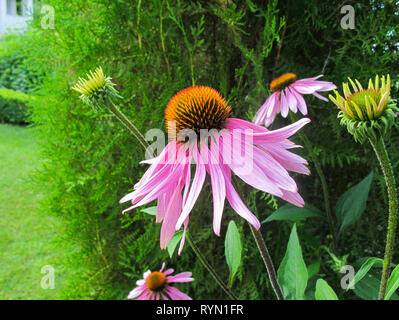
(156, 281)
(282, 82)
(196, 108)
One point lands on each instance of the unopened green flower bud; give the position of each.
(97, 89)
(366, 113)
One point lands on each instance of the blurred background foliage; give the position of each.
(153, 49)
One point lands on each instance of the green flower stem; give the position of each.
(115, 110)
(209, 268)
(382, 155)
(324, 186)
(122, 118)
(267, 261)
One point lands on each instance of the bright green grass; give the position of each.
(27, 236)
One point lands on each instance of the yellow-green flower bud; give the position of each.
(97, 89)
(366, 112)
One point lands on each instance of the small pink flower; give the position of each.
(287, 94)
(156, 285)
(256, 155)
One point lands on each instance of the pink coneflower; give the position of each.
(256, 155)
(156, 285)
(287, 94)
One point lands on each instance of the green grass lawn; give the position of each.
(28, 239)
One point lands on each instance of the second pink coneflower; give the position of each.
(287, 94)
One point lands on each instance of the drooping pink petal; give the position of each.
(168, 271)
(176, 294)
(195, 189)
(162, 187)
(301, 102)
(291, 100)
(290, 161)
(171, 216)
(284, 107)
(320, 96)
(268, 110)
(217, 182)
(239, 206)
(136, 292)
(162, 204)
(145, 296)
(183, 238)
(236, 203)
(164, 296)
(293, 197)
(282, 133)
(274, 170)
(181, 277)
(247, 169)
(307, 88)
(162, 267)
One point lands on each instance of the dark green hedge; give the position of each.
(13, 106)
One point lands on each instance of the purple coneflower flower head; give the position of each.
(156, 285)
(198, 121)
(287, 94)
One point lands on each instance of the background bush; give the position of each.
(155, 48)
(13, 106)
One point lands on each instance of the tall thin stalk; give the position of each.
(382, 155)
(267, 260)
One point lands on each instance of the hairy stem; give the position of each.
(382, 155)
(122, 118)
(267, 261)
(210, 269)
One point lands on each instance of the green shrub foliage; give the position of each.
(155, 48)
(13, 106)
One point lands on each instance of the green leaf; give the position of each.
(393, 283)
(173, 242)
(233, 249)
(294, 213)
(366, 266)
(292, 273)
(150, 210)
(313, 269)
(352, 203)
(324, 291)
(369, 287)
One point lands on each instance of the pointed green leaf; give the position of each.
(393, 283)
(292, 274)
(352, 203)
(366, 266)
(369, 287)
(173, 242)
(294, 213)
(233, 249)
(324, 291)
(150, 210)
(313, 269)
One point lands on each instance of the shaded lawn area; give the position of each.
(27, 236)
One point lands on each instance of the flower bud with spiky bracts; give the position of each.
(367, 113)
(97, 90)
